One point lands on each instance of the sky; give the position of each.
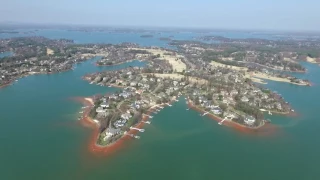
(295, 15)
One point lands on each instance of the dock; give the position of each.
(168, 104)
(133, 136)
(205, 113)
(220, 123)
(140, 130)
(148, 116)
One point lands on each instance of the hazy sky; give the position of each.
(229, 14)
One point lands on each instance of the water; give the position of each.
(5, 54)
(118, 37)
(42, 139)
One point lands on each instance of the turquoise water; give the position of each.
(42, 139)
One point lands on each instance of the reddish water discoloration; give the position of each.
(266, 130)
(93, 147)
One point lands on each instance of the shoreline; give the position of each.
(266, 129)
(128, 61)
(219, 119)
(6, 84)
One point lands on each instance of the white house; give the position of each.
(250, 120)
(104, 105)
(100, 110)
(244, 99)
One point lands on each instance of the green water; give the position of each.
(42, 139)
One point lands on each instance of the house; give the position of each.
(146, 86)
(249, 120)
(233, 92)
(114, 97)
(139, 91)
(278, 105)
(244, 99)
(100, 110)
(217, 110)
(145, 79)
(126, 116)
(175, 83)
(111, 132)
(104, 105)
(119, 81)
(182, 84)
(133, 84)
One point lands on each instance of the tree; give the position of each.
(197, 102)
(224, 107)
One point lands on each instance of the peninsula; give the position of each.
(223, 93)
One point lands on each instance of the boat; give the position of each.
(269, 113)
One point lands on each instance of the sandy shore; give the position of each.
(259, 75)
(177, 65)
(311, 60)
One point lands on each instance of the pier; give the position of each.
(220, 123)
(205, 113)
(147, 122)
(133, 136)
(168, 104)
(148, 116)
(140, 130)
